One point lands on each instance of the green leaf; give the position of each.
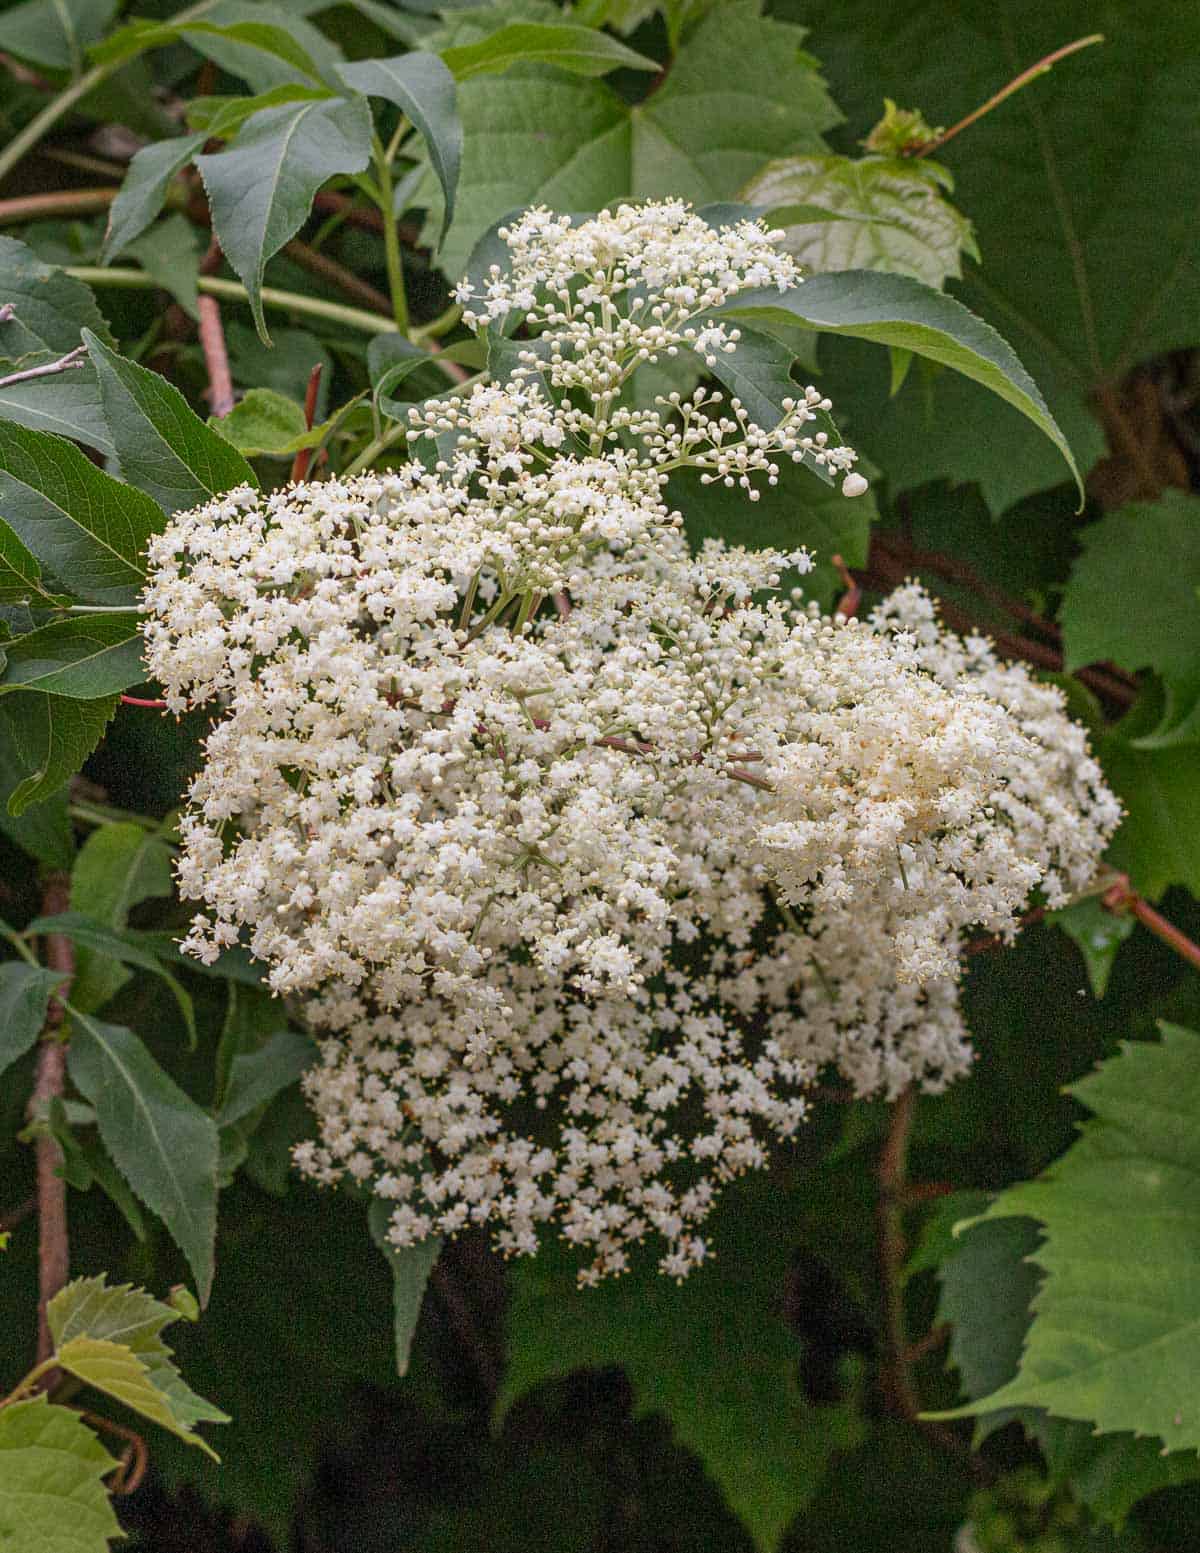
(262, 45)
(712, 1353)
(581, 50)
(84, 657)
(261, 189)
(118, 866)
(162, 1142)
(799, 510)
(422, 87)
(1083, 273)
(117, 945)
(1132, 600)
(876, 213)
(265, 423)
(739, 92)
(48, 738)
(115, 1370)
(1112, 1338)
(411, 1267)
(88, 529)
(50, 311)
(121, 1314)
(1158, 842)
(164, 449)
(896, 311)
(56, 33)
(221, 117)
(51, 1493)
(257, 1076)
(86, 1164)
(1097, 934)
(144, 191)
(24, 996)
(170, 253)
(20, 574)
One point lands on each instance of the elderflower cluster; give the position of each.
(584, 854)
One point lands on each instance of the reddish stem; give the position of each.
(1121, 898)
(152, 706)
(216, 357)
(304, 457)
(852, 598)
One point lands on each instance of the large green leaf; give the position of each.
(261, 189)
(50, 310)
(20, 575)
(411, 1267)
(739, 92)
(47, 739)
(257, 1076)
(52, 1497)
(712, 1353)
(899, 312)
(1112, 1341)
(145, 189)
(24, 996)
(56, 33)
(877, 213)
(1086, 267)
(162, 1142)
(117, 944)
(422, 87)
(164, 449)
(84, 657)
(581, 50)
(88, 529)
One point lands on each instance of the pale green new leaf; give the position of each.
(422, 87)
(115, 1370)
(47, 739)
(24, 996)
(84, 657)
(1112, 1340)
(161, 1141)
(86, 528)
(411, 1267)
(897, 311)
(261, 189)
(164, 449)
(876, 213)
(267, 423)
(52, 1497)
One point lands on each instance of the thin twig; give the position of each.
(131, 1468)
(67, 202)
(53, 1245)
(151, 706)
(1121, 898)
(216, 357)
(63, 364)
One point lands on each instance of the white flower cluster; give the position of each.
(583, 854)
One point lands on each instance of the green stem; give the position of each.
(105, 814)
(97, 609)
(391, 238)
(231, 291)
(62, 104)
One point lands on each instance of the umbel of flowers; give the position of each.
(583, 853)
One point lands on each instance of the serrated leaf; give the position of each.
(88, 529)
(581, 50)
(24, 996)
(117, 945)
(265, 423)
(56, 33)
(712, 1353)
(261, 189)
(422, 87)
(1112, 1338)
(876, 213)
(48, 738)
(896, 311)
(164, 449)
(256, 42)
(1082, 271)
(739, 91)
(118, 866)
(144, 190)
(161, 1141)
(411, 1267)
(257, 1076)
(52, 1496)
(83, 657)
(20, 574)
(221, 117)
(117, 1371)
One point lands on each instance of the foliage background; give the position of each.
(753, 1406)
